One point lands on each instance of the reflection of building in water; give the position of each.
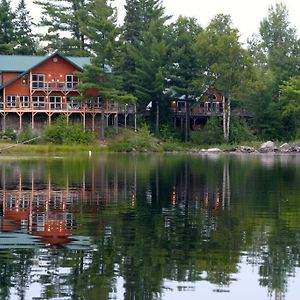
(212, 194)
(33, 204)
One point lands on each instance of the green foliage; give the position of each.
(211, 134)
(62, 133)
(25, 134)
(60, 17)
(290, 107)
(279, 43)
(7, 35)
(25, 43)
(240, 131)
(128, 141)
(9, 134)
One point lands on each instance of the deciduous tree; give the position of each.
(223, 63)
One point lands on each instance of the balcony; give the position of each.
(49, 86)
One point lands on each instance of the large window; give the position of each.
(38, 81)
(24, 101)
(71, 81)
(55, 102)
(38, 101)
(11, 101)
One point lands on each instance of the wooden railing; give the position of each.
(65, 106)
(54, 86)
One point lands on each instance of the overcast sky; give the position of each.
(246, 14)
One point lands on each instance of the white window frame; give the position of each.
(11, 101)
(55, 102)
(38, 101)
(39, 81)
(24, 101)
(71, 81)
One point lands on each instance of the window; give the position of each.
(11, 101)
(24, 101)
(98, 102)
(55, 102)
(38, 81)
(181, 105)
(38, 101)
(71, 81)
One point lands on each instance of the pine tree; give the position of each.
(150, 59)
(64, 18)
(182, 65)
(133, 24)
(102, 32)
(7, 37)
(25, 43)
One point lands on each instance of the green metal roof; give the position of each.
(21, 63)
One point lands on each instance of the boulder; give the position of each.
(285, 148)
(246, 149)
(214, 150)
(267, 147)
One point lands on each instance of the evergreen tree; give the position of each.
(133, 24)
(7, 37)
(24, 36)
(182, 65)
(99, 77)
(144, 53)
(150, 73)
(64, 18)
(139, 14)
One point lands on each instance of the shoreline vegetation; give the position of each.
(128, 141)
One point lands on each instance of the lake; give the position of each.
(150, 226)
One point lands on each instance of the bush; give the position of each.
(240, 131)
(143, 140)
(25, 134)
(211, 133)
(63, 133)
(9, 134)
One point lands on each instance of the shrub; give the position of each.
(9, 134)
(209, 135)
(240, 131)
(63, 133)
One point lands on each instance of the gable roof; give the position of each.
(25, 63)
(22, 63)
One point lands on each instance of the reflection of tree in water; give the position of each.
(154, 218)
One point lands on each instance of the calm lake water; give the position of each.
(132, 227)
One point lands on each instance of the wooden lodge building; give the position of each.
(36, 89)
(210, 104)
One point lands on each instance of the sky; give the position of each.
(246, 14)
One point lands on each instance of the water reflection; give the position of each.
(148, 226)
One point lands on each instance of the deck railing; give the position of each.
(54, 86)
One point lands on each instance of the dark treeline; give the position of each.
(152, 58)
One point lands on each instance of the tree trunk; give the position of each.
(187, 120)
(102, 123)
(226, 118)
(157, 118)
